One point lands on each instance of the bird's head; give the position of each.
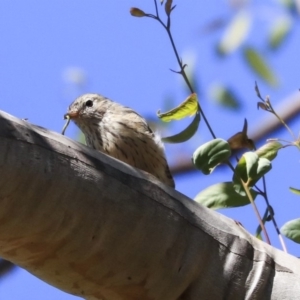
(86, 107)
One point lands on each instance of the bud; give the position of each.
(240, 140)
(136, 12)
(168, 7)
(262, 105)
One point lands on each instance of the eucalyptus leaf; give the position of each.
(295, 191)
(264, 166)
(269, 150)
(259, 65)
(222, 195)
(211, 154)
(291, 230)
(249, 169)
(187, 108)
(279, 31)
(186, 134)
(236, 33)
(224, 96)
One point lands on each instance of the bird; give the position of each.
(120, 132)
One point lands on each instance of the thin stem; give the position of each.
(182, 72)
(265, 195)
(282, 122)
(156, 9)
(258, 230)
(256, 211)
(270, 109)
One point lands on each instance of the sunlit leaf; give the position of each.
(279, 31)
(222, 195)
(295, 191)
(259, 65)
(224, 96)
(211, 154)
(269, 150)
(264, 166)
(250, 169)
(235, 33)
(291, 230)
(186, 134)
(187, 108)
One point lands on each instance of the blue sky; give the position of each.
(49, 46)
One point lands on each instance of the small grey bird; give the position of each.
(121, 133)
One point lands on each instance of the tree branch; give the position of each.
(100, 229)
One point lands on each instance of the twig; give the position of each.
(245, 186)
(181, 65)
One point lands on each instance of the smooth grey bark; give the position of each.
(100, 229)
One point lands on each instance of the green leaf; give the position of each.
(264, 166)
(222, 195)
(258, 64)
(187, 108)
(236, 33)
(295, 191)
(211, 154)
(291, 230)
(186, 134)
(250, 169)
(251, 160)
(224, 96)
(269, 150)
(279, 31)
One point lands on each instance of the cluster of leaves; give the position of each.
(252, 165)
(236, 32)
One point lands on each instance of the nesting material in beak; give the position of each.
(66, 116)
(71, 115)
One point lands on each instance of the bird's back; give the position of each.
(126, 136)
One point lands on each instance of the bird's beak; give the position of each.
(71, 115)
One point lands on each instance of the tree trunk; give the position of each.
(100, 229)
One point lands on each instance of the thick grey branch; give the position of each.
(95, 227)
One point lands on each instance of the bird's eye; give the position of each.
(89, 103)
